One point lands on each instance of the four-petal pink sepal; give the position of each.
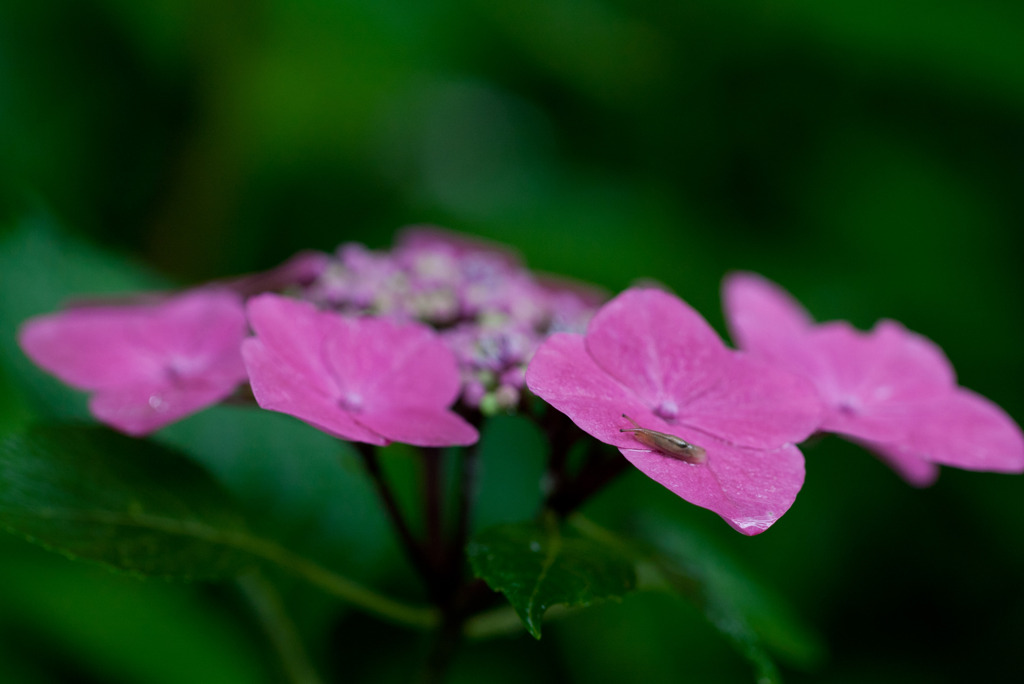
(648, 355)
(889, 389)
(365, 379)
(147, 365)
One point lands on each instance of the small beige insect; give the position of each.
(670, 445)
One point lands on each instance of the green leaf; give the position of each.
(101, 626)
(538, 565)
(511, 465)
(93, 494)
(753, 618)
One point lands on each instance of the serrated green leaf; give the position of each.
(131, 504)
(539, 565)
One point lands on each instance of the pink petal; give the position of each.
(364, 379)
(140, 410)
(889, 364)
(388, 364)
(867, 379)
(199, 330)
(421, 426)
(278, 386)
(872, 424)
(917, 360)
(762, 317)
(749, 488)
(660, 348)
(966, 430)
(294, 334)
(655, 344)
(565, 376)
(910, 466)
(150, 364)
(756, 405)
(90, 348)
(891, 389)
(854, 371)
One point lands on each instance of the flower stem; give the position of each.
(598, 471)
(433, 497)
(467, 489)
(412, 547)
(344, 588)
(280, 629)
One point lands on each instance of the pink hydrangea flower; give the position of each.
(490, 309)
(650, 356)
(148, 365)
(890, 389)
(367, 379)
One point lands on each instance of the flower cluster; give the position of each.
(405, 345)
(491, 311)
(382, 346)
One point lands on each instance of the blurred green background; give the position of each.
(867, 155)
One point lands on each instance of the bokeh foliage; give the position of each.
(865, 154)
